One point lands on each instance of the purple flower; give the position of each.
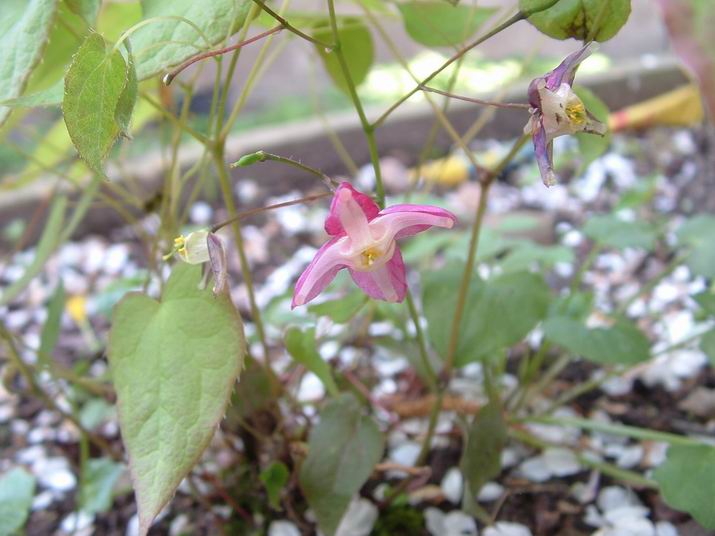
(556, 111)
(363, 240)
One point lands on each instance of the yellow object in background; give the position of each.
(76, 307)
(680, 107)
(449, 171)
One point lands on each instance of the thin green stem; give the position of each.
(352, 90)
(606, 468)
(288, 26)
(167, 115)
(472, 253)
(617, 429)
(252, 212)
(262, 156)
(497, 104)
(225, 182)
(152, 20)
(253, 75)
(585, 265)
(431, 427)
(419, 335)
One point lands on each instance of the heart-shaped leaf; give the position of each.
(343, 449)
(94, 86)
(174, 364)
(17, 487)
(622, 343)
(497, 313)
(687, 481)
(581, 19)
(356, 45)
(437, 24)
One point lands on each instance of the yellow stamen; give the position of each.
(576, 112)
(369, 256)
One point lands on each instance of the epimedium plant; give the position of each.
(175, 357)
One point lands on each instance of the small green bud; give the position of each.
(250, 159)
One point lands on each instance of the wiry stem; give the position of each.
(288, 26)
(368, 129)
(509, 105)
(169, 77)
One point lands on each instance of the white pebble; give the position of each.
(452, 485)
(504, 528)
(76, 521)
(201, 213)
(405, 454)
(359, 519)
(491, 491)
(455, 523)
(54, 474)
(283, 528)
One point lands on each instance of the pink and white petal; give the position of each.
(387, 282)
(320, 272)
(406, 220)
(332, 223)
(544, 159)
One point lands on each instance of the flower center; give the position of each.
(369, 256)
(576, 112)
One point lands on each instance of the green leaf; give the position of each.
(164, 43)
(253, 393)
(128, 98)
(274, 478)
(356, 45)
(115, 18)
(48, 241)
(580, 19)
(342, 451)
(696, 235)
(575, 305)
(591, 146)
(437, 24)
(706, 300)
(24, 31)
(173, 364)
(707, 345)
(497, 313)
(94, 412)
(623, 343)
(97, 490)
(341, 310)
(609, 230)
(687, 481)
(87, 9)
(51, 329)
(301, 347)
(486, 438)
(525, 256)
(51, 96)
(17, 488)
(94, 84)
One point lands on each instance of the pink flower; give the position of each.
(556, 110)
(364, 241)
